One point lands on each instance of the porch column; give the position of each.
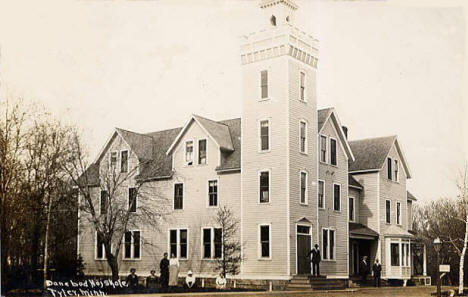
(424, 260)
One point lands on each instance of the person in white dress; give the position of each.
(173, 271)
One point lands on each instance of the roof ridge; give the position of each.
(132, 132)
(217, 122)
(373, 138)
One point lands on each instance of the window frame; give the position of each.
(396, 171)
(104, 256)
(259, 242)
(260, 140)
(324, 137)
(318, 193)
(174, 197)
(336, 210)
(106, 203)
(212, 244)
(329, 256)
(398, 213)
(389, 168)
(388, 214)
(306, 192)
(392, 258)
(132, 246)
(306, 138)
(267, 85)
(209, 193)
(302, 86)
(353, 213)
(259, 186)
(116, 160)
(178, 242)
(187, 163)
(336, 151)
(127, 161)
(198, 151)
(128, 200)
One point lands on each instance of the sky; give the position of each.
(393, 67)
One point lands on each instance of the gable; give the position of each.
(328, 118)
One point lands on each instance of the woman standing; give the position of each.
(173, 271)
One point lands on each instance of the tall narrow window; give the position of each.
(264, 241)
(302, 86)
(173, 243)
(395, 254)
(189, 152)
(132, 199)
(389, 168)
(178, 196)
(104, 202)
(183, 236)
(351, 209)
(132, 245)
(332, 244)
(218, 242)
(321, 193)
(202, 151)
(333, 151)
(207, 243)
(124, 161)
(113, 160)
(388, 211)
(325, 244)
(264, 84)
(264, 135)
(398, 213)
(336, 197)
(213, 193)
(396, 170)
(264, 187)
(303, 187)
(328, 242)
(323, 149)
(178, 243)
(100, 250)
(303, 137)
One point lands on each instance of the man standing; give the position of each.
(364, 269)
(377, 270)
(164, 273)
(315, 252)
(132, 281)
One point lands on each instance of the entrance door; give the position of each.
(355, 258)
(303, 249)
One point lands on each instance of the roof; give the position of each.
(329, 113)
(151, 148)
(410, 196)
(357, 230)
(396, 231)
(352, 182)
(371, 153)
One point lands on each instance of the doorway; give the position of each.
(304, 243)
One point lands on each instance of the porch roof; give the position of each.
(359, 231)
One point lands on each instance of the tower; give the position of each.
(279, 144)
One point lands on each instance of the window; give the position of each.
(132, 245)
(321, 194)
(304, 197)
(113, 160)
(395, 254)
(124, 161)
(264, 84)
(405, 249)
(389, 168)
(100, 249)
(202, 151)
(132, 199)
(333, 151)
(212, 243)
(213, 193)
(189, 152)
(398, 213)
(388, 211)
(303, 137)
(351, 209)
(264, 135)
(265, 246)
(178, 243)
(323, 149)
(178, 196)
(273, 20)
(302, 86)
(336, 197)
(264, 186)
(396, 170)
(328, 242)
(104, 201)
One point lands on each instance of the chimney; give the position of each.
(345, 130)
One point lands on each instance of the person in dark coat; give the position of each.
(132, 281)
(164, 273)
(364, 269)
(315, 257)
(152, 281)
(377, 270)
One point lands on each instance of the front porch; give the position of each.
(363, 241)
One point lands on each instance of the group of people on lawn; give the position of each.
(364, 266)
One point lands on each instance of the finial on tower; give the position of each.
(279, 12)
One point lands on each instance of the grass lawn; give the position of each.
(380, 292)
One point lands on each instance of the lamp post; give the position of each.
(437, 247)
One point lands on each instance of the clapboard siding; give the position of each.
(328, 217)
(369, 200)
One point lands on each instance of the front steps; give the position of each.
(308, 283)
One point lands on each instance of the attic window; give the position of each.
(273, 20)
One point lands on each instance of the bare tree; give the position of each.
(462, 185)
(231, 247)
(115, 212)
